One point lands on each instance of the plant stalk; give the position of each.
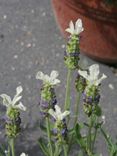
(67, 96)
(77, 108)
(49, 136)
(56, 153)
(76, 116)
(94, 138)
(89, 139)
(65, 150)
(12, 146)
(9, 149)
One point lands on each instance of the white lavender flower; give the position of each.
(103, 119)
(6, 152)
(51, 80)
(57, 114)
(23, 154)
(75, 29)
(93, 76)
(15, 102)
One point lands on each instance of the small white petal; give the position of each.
(71, 25)
(6, 100)
(102, 78)
(16, 99)
(78, 26)
(54, 74)
(20, 106)
(47, 79)
(111, 86)
(57, 110)
(66, 113)
(40, 75)
(71, 28)
(103, 119)
(55, 82)
(68, 30)
(23, 154)
(83, 73)
(19, 89)
(78, 23)
(94, 71)
(52, 113)
(6, 152)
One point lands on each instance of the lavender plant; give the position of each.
(59, 136)
(12, 118)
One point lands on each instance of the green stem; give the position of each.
(77, 108)
(67, 96)
(56, 153)
(8, 147)
(49, 136)
(89, 139)
(12, 144)
(95, 120)
(94, 138)
(76, 117)
(65, 150)
(108, 142)
(105, 136)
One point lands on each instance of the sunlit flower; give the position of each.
(93, 75)
(51, 80)
(23, 154)
(103, 119)
(15, 102)
(6, 152)
(57, 114)
(75, 29)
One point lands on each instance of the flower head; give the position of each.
(93, 75)
(57, 114)
(51, 80)
(15, 102)
(75, 29)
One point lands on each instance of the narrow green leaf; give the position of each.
(43, 146)
(79, 137)
(2, 150)
(80, 153)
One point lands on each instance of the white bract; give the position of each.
(51, 80)
(23, 154)
(15, 102)
(57, 114)
(93, 75)
(75, 29)
(103, 119)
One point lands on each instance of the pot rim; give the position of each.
(101, 15)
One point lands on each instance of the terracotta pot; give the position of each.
(99, 39)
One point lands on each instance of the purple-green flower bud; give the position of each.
(80, 83)
(48, 100)
(71, 55)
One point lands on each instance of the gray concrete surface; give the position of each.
(30, 41)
